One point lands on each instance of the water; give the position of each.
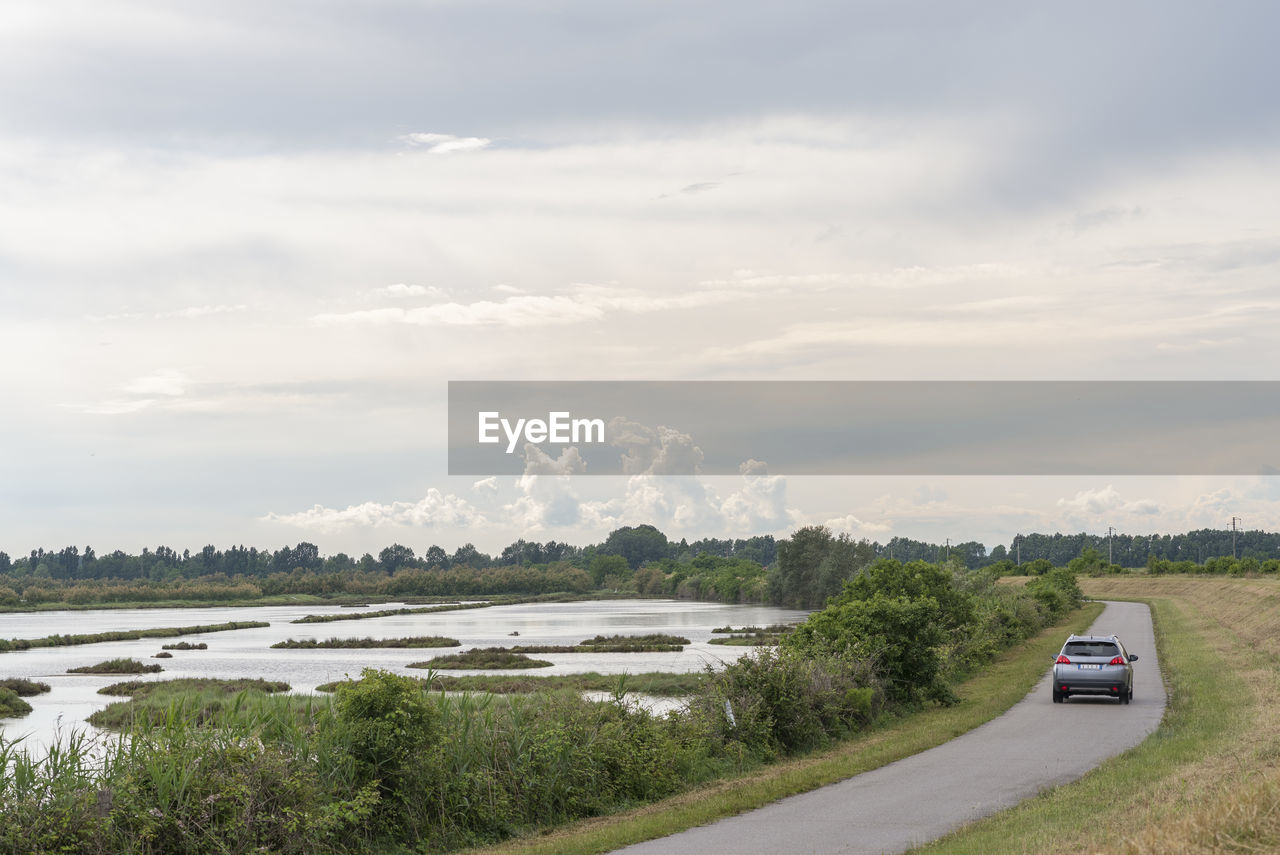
(248, 653)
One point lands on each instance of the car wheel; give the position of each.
(1057, 696)
(1125, 695)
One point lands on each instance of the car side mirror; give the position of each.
(1133, 657)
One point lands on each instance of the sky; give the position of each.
(245, 246)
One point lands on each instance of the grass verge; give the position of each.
(982, 698)
(1208, 779)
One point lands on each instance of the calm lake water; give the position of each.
(248, 653)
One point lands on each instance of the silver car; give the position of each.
(1093, 665)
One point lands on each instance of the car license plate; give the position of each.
(1089, 667)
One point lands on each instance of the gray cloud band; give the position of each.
(864, 428)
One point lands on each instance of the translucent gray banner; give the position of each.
(864, 428)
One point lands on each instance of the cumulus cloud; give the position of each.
(653, 451)
(444, 143)
(761, 503)
(434, 509)
(855, 527)
(1106, 500)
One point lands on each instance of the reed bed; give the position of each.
(117, 666)
(360, 643)
(7, 645)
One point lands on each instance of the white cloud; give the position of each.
(585, 303)
(855, 527)
(168, 383)
(1106, 500)
(761, 503)
(202, 311)
(434, 509)
(653, 451)
(400, 289)
(445, 143)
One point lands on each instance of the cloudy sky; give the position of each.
(245, 245)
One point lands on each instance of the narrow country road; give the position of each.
(1035, 745)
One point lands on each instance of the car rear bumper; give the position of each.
(1104, 682)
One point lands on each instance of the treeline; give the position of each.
(636, 545)
(16, 592)
(802, 571)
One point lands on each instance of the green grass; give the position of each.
(185, 645)
(193, 702)
(23, 687)
(360, 643)
(489, 657)
(117, 666)
(144, 688)
(655, 683)
(652, 643)
(982, 697)
(772, 629)
(122, 635)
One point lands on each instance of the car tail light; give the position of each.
(1119, 660)
(1062, 660)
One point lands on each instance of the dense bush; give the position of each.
(777, 702)
(11, 705)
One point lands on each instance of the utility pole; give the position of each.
(1017, 540)
(1110, 531)
(948, 549)
(1234, 520)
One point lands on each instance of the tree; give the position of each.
(637, 545)
(603, 566)
(468, 556)
(813, 565)
(394, 557)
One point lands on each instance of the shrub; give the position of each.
(786, 701)
(1057, 591)
(12, 706)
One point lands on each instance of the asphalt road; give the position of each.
(1035, 745)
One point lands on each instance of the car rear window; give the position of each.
(1091, 648)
